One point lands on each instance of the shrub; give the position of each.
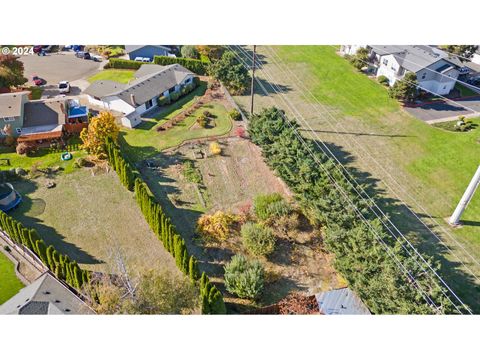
(244, 278)
(235, 115)
(258, 239)
(164, 100)
(382, 79)
(25, 148)
(202, 121)
(215, 148)
(124, 64)
(240, 132)
(174, 96)
(191, 173)
(270, 206)
(216, 226)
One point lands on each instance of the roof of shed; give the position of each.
(341, 302)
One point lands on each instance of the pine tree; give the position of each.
(193, 269)
(50, 260)
(41, 251)
(185, 261)
(216, 304)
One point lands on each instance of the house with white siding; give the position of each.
(436, 71)
(140, 95)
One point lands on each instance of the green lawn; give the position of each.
(121, 76)
(9, 283)
(145, 141)
(425, 166)
(465, 91)
(36, 92)
(42, 158)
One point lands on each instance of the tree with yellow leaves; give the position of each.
(217, 226)
(101, 126)
(215, 148)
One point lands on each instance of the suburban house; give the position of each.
(45, 296)
(140, 95)
(436, 70)
(40, 121)
(146, 51)
(476, 57)
(340, 302)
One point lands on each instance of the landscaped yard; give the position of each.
(464, 91)
(121, 76)
(91, 218)
(9, 283)
(145, 141)
(406, 159)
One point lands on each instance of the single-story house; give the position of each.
(146, 51)
(340, 302)
(140, 95)
(39, 121)
(45, 296)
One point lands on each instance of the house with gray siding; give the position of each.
(11, 113)
(140, 95)
(146, 51)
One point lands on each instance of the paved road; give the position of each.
(439, 110)
(59, 66)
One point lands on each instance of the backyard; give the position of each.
(229, 183)
(90, 216)
(9, 283)
(145, 140)
(426, 167)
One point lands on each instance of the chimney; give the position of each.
(132, 99)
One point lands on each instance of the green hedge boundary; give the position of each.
(197, 66)
(161, 225)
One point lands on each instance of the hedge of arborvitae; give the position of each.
(197, 66)
(60, 264)
(160, 223)
(359, 256)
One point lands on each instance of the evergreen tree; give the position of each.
(193, 269)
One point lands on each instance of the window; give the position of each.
(171, 90)
(385, 62)
(149, 104)
(18, 130)
(8, 119)
(424, 75)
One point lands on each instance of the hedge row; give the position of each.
(60, 264)
(197, 66)
(160, 223)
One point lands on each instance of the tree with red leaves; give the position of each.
(11, 71)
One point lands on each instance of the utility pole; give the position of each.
(467, 196)
(252, 92)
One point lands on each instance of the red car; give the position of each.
(37, 49)
(36, 80)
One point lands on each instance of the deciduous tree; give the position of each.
(94, 137)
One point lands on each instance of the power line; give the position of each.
(387, 226)
(435, 235)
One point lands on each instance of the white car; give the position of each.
(143, 59)
(63, 87)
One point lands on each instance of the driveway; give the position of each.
(60, 66)
(445, 110)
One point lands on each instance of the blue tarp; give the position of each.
(77, 111)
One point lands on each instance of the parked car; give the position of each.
(87, 56)
(77, 48)
(79, 54)
(37, 81)
(63, 87)
(142, 59)
(37, 49)
(97, 58)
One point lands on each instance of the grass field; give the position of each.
(405, 159)
(89, 218)
(145, 141)
(121, 76)
(9, 283)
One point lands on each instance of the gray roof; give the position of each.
(341, 302)
(150, 81)
(413, 57)
(44, 112)
(11, 104)
(46, 295)
(130, 48)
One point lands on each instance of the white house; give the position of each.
(140, 95)
(436, 71)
